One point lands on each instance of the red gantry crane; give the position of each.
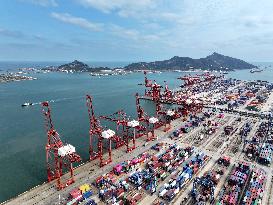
(153, 89)
(120, 119)
(149, 122)
(59, 156)
(96, 133)
(168, 94)
(190, 80)
(156, 91)
(184, 101)
(148, 83)
(165, 116)
(128, 131)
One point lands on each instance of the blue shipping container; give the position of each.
(87, 194)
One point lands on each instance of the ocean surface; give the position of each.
(22, 134)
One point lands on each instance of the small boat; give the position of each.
(256, 70)
(26, 104)
(225, 72)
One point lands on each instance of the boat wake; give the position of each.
(27, 104)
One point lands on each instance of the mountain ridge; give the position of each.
(78, 66)
(214, 61)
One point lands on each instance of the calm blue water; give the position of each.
(22, 135)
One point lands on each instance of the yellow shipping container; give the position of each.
(84, 188)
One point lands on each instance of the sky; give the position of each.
(135, 30)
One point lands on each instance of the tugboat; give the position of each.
(26, 104)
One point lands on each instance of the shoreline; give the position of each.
(7, 78)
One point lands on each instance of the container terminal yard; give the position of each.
(208, 142)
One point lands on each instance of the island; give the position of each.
(77, 66)
(213, 62)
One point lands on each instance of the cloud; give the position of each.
(132, 34)
(78, 21)
(110, 5)
(148, 10)
(256, 21)
(125, 33)
(114, 29)
(12, 34)
(42, 2)
(19, 35)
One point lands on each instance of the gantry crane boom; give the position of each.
(104, 137)
(59, 156)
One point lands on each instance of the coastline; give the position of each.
(7, 78)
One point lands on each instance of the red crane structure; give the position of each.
(142, 118)
(168, 94)
(165, 116)
(209, 77)
(148, 83)
(190, 80)
(59, 156)
(120, 119)
(153, 89)
(96, 133)
(148, 123)
(128, 129)
(156, 91)
(183, 99)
